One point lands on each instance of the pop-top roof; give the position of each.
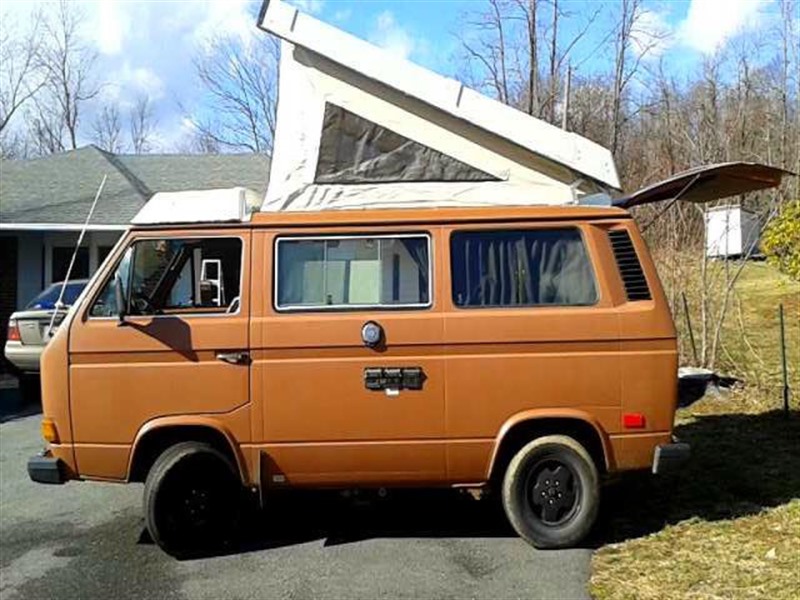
(359, 127)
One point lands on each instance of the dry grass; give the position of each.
(749, 344)
(728, 526)
(750, 557)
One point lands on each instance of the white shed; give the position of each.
(730, 231)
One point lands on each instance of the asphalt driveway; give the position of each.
(84, 540)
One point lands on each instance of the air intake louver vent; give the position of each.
(629, 267)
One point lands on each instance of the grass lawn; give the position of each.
(728, 525)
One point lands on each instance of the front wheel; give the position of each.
(192, 500)
(551, 492)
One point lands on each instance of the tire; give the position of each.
(535, 502)
(192, 500)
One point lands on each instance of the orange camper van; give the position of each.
(530, 349)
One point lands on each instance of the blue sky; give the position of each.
(148, 46)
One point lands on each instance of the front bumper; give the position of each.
(670, 457)
(45, 468)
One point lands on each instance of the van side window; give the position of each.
(521, 268)
(176, 276)
(353, 272)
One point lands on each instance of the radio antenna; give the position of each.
(59, 303)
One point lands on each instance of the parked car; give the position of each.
(27, 331)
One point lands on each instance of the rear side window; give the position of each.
(505, 268)
(353, 272)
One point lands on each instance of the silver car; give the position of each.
(27, 329)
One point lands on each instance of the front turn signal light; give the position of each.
(49, 430)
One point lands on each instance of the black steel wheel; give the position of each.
(551, 492)
(554, 491)
(192, 500)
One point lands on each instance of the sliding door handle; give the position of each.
(234, 358)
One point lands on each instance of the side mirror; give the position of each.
(119, 298)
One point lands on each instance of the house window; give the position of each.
(356, 150)
(353, 272)
(521, 268)
(102, 253)
(61, 257)
(168, 276)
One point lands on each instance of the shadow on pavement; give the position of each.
(14, 406)
(292, 518)
(740, 464)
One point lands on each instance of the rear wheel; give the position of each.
(551, 492)
(192, 500)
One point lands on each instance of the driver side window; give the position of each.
(176, 276)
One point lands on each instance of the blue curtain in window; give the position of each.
(521, 268)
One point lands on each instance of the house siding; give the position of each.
(8, 286)
(29, 265)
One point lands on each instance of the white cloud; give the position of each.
(146, 81)
(388, 34)
(109, 25)
(127, 83)
(313, 7)
(222, 18)
(710, 23)
(651, 34)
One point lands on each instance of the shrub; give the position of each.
(781, 240)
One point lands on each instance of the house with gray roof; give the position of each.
(44, 203)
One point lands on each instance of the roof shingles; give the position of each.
(59, 189)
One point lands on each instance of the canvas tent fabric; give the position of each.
(355, 150)
(358, 127)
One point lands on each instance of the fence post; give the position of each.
(689, 326)
(783, 364)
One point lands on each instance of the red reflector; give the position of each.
(13, 331)
(633, 420)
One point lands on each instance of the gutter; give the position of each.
(59, 227)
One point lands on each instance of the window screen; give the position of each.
(337, 272)
(521, 268)
(355, 150)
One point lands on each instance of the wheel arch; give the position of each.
(157, 435)
(528, 425)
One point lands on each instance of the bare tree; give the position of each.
(241, 85)
(196, 142)
(46, 128)
(518, 52)
(488, 49)
(20, 77)
(142, 125)
(107, 129)
(633, 42)
(789, 61)
(67, 66)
